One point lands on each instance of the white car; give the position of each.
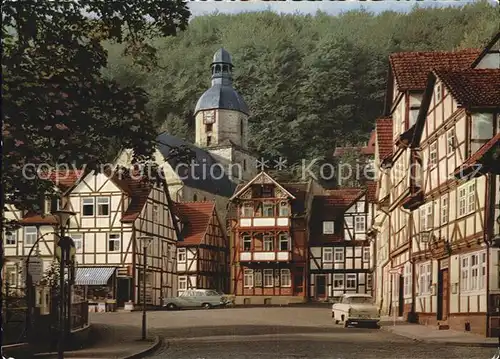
(355, 309)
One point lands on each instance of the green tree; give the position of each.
(58, 108)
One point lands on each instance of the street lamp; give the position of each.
(145, 242)
(65, 251)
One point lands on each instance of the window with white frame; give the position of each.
(471, 198)
(248, 278)
(286, 278)
(338, 281)
(450, 141)
(464, 274)
(268, 242)
(181, 255)
(258, 278)
(439, 94)
(155, 216)
(182, 283)
(360, 223)
(328, 227)
(425, 279)
(247, 242)
(462, 201)
(482, 272)
(433, 154)
(339, 254)
(268, 278)
(474, 271)
(467, 198)
(369, 280)
(78, 240)
(426, 216)
(11, 238)
(247, 209)
(88, 206)
(103, 206)
(284, 209)
(351, 281)
(30, 235)
(407, 280)
(284, 240)
(268, 209)
(328, 255)
(366, 254)
(444, 210)
(113, 242)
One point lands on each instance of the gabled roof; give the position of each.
(473, 87)
(205, 175)
(383, 129)
(265, 178)
(410, 69)
(486, 49)
(66, 179)
(341, 198)
(367, 150)
(196, 217)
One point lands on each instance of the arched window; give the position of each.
(195, 197)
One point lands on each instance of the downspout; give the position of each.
(488, 237)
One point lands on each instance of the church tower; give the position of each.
(221, 119)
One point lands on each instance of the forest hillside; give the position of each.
(311, 82)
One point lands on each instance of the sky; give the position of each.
(310, 7)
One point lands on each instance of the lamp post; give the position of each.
(145, 242)
(63, 249)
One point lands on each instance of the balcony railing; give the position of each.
(270, 256)
(265, 222)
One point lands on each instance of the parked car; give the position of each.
(197, 298)
(356, 309)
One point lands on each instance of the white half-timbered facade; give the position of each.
(203, 253)
(455, 253)
(340, 252)
(112, 212)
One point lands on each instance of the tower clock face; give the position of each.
(208, 117)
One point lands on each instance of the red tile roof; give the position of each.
(340, 198)
(411, 69)
(137, 187)
(65, 179)
(196, 216)
(476, 157)
(32, 219)
(473, 87)
(384, 137)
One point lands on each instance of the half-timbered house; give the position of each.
(269, 241)
(113, 210)
(36, 233)
(454, 250)
(340, 252)
(203, 254)
(406, 84)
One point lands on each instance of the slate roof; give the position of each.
(384, 137)
(198, 176)
(473, 87)
(411, 69)
(196, 217)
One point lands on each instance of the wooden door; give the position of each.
(320, 287)
(443, 294)
(123, 291)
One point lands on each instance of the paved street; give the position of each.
(292, 332)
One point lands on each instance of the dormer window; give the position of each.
(328, 227)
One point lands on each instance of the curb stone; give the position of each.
(156, 344)
(443, 342)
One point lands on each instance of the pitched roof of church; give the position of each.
(205, 175)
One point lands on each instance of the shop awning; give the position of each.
(93, 275)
